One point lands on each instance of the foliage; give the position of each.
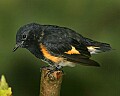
(5, 90)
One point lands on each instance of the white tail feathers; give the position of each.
(93, 49)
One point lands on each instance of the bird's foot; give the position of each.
(46, 67)
(53, 72)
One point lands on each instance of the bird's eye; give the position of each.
(24, 36)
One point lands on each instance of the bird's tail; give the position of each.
(95, 47)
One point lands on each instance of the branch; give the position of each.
(50, 84)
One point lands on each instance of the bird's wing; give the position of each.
(69, 48)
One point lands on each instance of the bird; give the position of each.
(58, 46)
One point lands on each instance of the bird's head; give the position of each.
(27, 35)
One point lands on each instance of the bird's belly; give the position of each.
(67, 63)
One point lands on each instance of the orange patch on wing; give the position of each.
(49, 56)
(73, 51)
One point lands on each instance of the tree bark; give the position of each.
(50, 84)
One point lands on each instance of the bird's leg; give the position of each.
(49, 67)
(59, 68)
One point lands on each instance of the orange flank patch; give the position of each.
(73, 51)
(49, 56)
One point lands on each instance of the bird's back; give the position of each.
(65, 33)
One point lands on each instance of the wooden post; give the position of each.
(50, 84)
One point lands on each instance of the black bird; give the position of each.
(58, 46)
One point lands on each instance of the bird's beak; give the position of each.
(17, 46)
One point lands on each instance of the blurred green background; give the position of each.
(96, 19)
